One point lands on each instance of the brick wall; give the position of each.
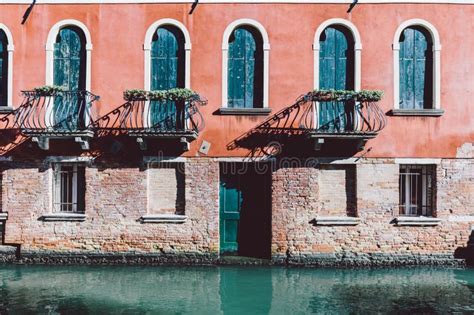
(377, 205)
(116, 198)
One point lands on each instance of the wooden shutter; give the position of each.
(3, 69)
(69, 60)
(415, 69)
(336, 69)
(244, 64)
(167, 72)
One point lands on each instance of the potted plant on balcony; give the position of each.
(48, 90)
(179, 94)
(158, 95)
(135, 95)
(369, 96)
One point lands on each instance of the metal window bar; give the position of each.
(65, 192)
(417, 190)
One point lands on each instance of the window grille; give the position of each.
(69, 188)
(417, 190)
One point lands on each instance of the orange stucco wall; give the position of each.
(118, 32)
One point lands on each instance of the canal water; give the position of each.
(233, 290)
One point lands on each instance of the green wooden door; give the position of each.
(335, 72)
(241, 69)
(167, 72)
(230, 199)
(69, 68)
(3, 69)
(415, 69)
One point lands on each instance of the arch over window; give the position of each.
(416, 60)
(167, 51)
(6, 67)
(337, 45)
(245, 53)
(68, 55)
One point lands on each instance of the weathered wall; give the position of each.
(116, 198)
(297, 239)
(118, 32)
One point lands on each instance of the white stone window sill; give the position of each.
(63, 216)
(333, 220)
(3, 216)
(417, 221)
(163, 218)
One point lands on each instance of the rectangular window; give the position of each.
(417, 190)
(69, 188)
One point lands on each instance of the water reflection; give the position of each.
(233, 290)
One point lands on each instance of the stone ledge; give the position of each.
(3, 216)
(416, 221)
(336, 220)
(353, 259)
(61, 216)
(163, 218)
(417, 112)
(115, 258)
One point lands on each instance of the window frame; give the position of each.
(436, 69)
(57, 203)
(51, 40)
(263, 110)
(428, 192)
(10, 50)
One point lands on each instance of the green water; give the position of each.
(233, 290)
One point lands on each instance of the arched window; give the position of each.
(416, 71)
(69, 65)
(336, 72)
(167, 72)
(6, 67)
(245, 59)
(336, 59)
(245, 69)
(3, 69)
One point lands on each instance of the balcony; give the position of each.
(162, 115)
(336, 122)
(50, 113)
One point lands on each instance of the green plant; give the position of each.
(346, 95)
(135, 94)
(369, 96)
(48, 90)
(179, 94)
(158, 95)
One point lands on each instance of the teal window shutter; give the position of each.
(69, 59)
(336, 71)
(69, 72)
(167, 72)
(416, 74)
(3, 69)
(245, 69)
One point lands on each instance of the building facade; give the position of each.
(160, 131)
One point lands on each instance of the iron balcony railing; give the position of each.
(160, 118)
(312, 116)
(58, 113)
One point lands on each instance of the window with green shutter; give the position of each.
(416, 71)
(245, 69)
(69, 67)
(167, 72)
(336, 72)
(3, 69)
(69, 59)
